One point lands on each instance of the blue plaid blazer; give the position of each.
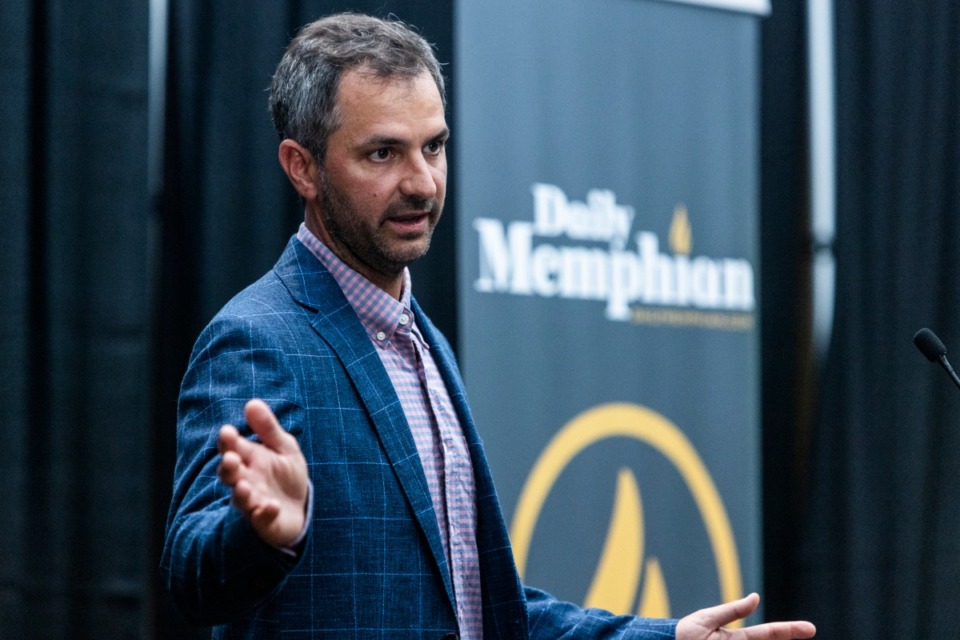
(372, 564)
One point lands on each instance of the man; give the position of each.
(375, 515)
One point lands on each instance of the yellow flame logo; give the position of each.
(618, 575)
(681, 233)
(624, 571)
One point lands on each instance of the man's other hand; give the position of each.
(708, 624)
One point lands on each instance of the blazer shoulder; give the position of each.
(263, 295)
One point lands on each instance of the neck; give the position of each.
(389, 282)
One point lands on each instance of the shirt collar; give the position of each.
(381, 314)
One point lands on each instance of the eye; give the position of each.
(381, 155)
(434, 148)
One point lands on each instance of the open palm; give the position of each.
(709, 624)
(269, 478)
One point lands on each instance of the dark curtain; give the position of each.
(787, 380)
(880, 552)
(227, 209)
(74, 318)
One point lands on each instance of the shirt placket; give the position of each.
(454, 464)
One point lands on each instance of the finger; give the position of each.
(723, 614)
(264, 423)
(264, 514)
(259, 509)
(230, 468)
(231, 441)
(246, 497)
(780, 631)
(227, 438)
(241, 495)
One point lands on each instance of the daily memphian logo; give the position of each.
(630, 577)
(587, 250)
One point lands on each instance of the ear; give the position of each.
(300, 167)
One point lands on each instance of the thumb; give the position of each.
(264, 423)
(724, 614)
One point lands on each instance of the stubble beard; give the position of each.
(359, 245)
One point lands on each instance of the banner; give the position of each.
(761, 7)
(607, 239)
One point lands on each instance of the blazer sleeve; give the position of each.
(552, 619)
(214, 564)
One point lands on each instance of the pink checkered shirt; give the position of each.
(433, 421)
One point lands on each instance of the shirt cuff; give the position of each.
(293, 549)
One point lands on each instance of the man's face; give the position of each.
(383, 181)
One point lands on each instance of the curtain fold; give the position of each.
(880, 552)
(75, 323)
(15, 335)
(787, 360)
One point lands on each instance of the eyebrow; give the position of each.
(388, 141)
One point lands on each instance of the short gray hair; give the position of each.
(303, 94)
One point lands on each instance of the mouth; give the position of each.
(411, 222)
(412, 218)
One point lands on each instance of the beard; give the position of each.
(364, 240)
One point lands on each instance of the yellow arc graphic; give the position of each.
(631, 421)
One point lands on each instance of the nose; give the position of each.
(422, 179)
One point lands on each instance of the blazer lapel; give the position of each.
(311, 285)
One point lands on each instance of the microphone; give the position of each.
(931, 346)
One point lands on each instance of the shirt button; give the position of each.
(381, 335)
(404, 319)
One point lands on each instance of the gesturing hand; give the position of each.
(707, 624)
(269, 478)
